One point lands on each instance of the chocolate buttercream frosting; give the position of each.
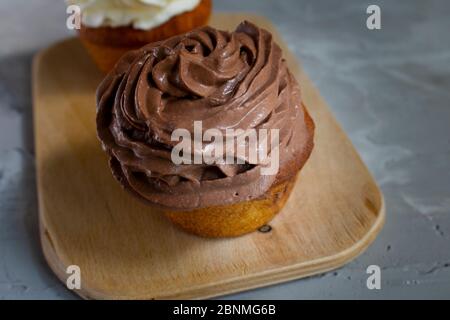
(236, 80)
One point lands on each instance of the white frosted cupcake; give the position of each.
(110, 28)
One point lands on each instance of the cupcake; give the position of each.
(231, 83)
(111, 28)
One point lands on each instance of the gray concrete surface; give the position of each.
(390, 90)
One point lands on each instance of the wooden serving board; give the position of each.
(126, 250)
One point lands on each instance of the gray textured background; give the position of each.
(390, 89)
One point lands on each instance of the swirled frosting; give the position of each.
(141, 14)
(235, 80)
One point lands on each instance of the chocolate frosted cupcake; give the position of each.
(226, 81)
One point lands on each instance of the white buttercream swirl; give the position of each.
(141, 14)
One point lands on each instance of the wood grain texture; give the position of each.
(128, 251)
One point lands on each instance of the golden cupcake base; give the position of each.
(236, 219)
(105, 56)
